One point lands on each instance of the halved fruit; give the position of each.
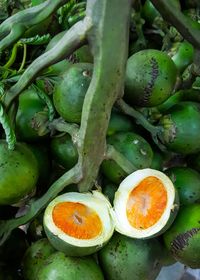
(79, 224)
(145, 204)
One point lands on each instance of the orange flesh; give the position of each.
(146, 203)
(77, 220)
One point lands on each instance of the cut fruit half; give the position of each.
(145, 204)
(79, 224)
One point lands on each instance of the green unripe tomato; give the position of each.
(150, 78)
(69, 94)
(181, 128)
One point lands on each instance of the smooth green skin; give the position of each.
(70, 92)
(187, 183)
(68, 249)
(119, 122)
(140, 154)
(29, 105)
(41, 152)
(150, 78)
(34, 258)
(183, 56)
(18, 173)
(83, 54)
(60, 267)
(125, 258)
(13, 249)
(63, 151)
(181, 125)
(63, 65)
(183, 237)
(158, 160)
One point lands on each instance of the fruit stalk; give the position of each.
(109, 42)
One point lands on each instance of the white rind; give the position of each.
(121, 197)
(95, 201)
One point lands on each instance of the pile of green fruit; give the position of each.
(99, 138)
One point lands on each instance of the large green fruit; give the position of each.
(69, 94)
(150, 78)
(125, 258)
(183, 238)
(132, 146)
(181, 128)
(58, 266)
(119, 122)
(34, 258)
(31, 114)
(18, 173)
(187, 183)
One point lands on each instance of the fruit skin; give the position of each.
(58, 266)
(134, 147)
(34, 258)
(69, 94)
(30, 105)
(18, 173)
(181, 128)
(64, 151)
(150, 78)
(187, 183)
(125, 258)
(183, 238)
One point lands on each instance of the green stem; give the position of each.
(109, 42)
(122, 161)
(24, 58)
(70, 177)
(73, 39)
(12, 57)
(140, 119)
(181, 22)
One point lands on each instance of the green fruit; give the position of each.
(149, 12)
(64, 151)
(193, 161)
(181, 128)
(58, 266)
(187, 183)
(18, 173)
(119, 122)
(69, 94)
(31, 117)
(125, 258)
(109, 190)
(150, 78)
(79, 224)
(132, 146)
(34, 258)
(183, 238)
(83, 54)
